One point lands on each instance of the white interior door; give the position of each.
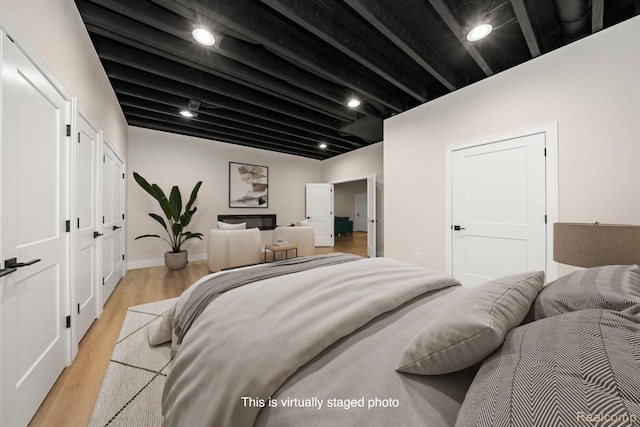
(35, 298)
(361, 211)
(498, 209)
(319, 208)
(371, 216)
(85, 262)
(112, 221)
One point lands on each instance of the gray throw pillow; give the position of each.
(473, 326)
(611, 287)
(575, 369)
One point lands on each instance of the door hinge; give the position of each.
(78, 308)
(104, 158)
(122, 216)
(67, 226)
(122, 176)
(103, 219)
(68, 130)
(68, 322)
(78, 137)
(78, 222)
(123, 257)
(545, 152)
(545, 219)
(103, 280)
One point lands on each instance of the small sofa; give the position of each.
(342, 225)
(303, 236)
(233, 248)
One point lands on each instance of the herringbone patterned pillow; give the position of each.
(612, 287)
(574, 369)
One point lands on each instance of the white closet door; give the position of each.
(34, 299)
(113, 221)
(85, 262)
(499, 209)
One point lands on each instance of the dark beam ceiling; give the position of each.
(281, 71)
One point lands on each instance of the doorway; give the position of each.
(320, 207)
(501, 204)
(350, 224)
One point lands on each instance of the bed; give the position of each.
(338, 340)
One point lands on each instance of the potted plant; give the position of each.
(176, 220)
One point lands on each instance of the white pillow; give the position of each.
(302, 223)
(226, 226)
(473, 326)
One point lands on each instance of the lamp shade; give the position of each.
(592, 245)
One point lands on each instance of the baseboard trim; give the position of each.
(134, 265)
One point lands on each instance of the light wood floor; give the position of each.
(70, 402)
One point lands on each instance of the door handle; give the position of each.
(13, 263)
(96, 234)
(5, 271)
(457, 227)
(115, 227)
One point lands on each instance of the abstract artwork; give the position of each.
(248, 186)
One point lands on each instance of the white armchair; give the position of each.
(233, 248)
(304, 237)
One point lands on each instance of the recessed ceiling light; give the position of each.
(479, 32)
(186, 113)
(353, 103)
(323, 145)
(203, 36)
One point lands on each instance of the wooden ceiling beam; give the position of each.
(597, 15)
(526, 26)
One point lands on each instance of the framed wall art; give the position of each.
(248, 186)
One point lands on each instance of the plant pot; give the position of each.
(176, 260)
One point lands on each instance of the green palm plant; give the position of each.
(176, 219)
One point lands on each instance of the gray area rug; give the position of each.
(131, 391)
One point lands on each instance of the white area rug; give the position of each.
(131, 391)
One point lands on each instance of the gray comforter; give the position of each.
(294, 350)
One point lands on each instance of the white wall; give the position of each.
(56, 32)
(344, 198)
(168, 159)
(591, 88)
(358, 164)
